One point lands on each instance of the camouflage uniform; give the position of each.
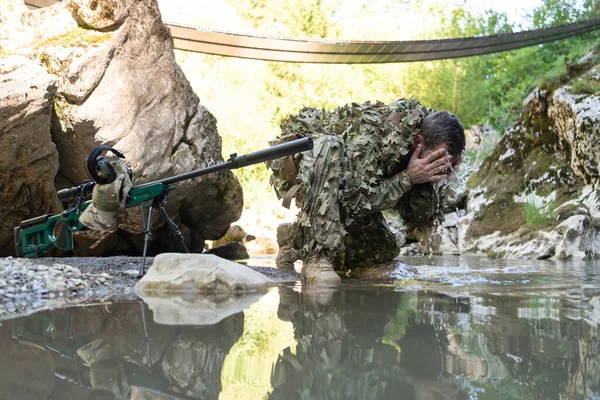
(349, 177)
(107, 372)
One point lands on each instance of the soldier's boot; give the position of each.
(287, 253)
(319, 269)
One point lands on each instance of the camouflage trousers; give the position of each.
(320, 229)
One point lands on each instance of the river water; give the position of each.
(463, 328)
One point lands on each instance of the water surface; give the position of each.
(464, 328)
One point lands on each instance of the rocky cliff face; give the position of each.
(86, 73)
(28, 157)
(538, 194)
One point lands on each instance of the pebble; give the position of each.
(26, 286)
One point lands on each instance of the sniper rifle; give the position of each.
(36, 236)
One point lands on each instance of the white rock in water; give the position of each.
(450, 219)
(178, 272)
(199, 310)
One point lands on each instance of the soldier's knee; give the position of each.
(284, 233)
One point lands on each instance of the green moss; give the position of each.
(78, 37)
(539, 163)
(44, 59)
(59, 108)
(496, 254)
(502, 215)
(553, 81)
(545, 189)
(585, 85)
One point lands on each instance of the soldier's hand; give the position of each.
(434, 167)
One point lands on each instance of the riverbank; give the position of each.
(32, 285)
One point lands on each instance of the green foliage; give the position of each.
(251, 98)
(537, 216)
(585, 86)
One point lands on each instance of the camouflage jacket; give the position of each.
(377, 140)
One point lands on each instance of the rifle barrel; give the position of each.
(272, 153)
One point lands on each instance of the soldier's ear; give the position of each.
(418, 140)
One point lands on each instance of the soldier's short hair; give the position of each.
(443, 127)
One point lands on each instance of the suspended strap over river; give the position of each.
(275, 48)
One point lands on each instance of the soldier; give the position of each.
(366, 158)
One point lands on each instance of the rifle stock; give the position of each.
(35, 236)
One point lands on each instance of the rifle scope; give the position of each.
(70, 194)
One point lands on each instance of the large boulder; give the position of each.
(117, 84)
(28, 158)
(538, 194)
(203, 273)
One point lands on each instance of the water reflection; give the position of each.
(349, 342)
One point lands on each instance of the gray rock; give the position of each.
(546, 163)
(577, 120)
(152, 115)
(578, 238)
(444, 241)
(175, 272)
(28, 158)
(450, 220)
(230, 251)
(411, 249)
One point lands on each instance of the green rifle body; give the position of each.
(34, 237)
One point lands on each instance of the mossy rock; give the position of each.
(78, 37)
(569, 210)
(503, 215)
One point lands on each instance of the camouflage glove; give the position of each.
(108, 200)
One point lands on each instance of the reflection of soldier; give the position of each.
(193, 363)
(348, 348)
(107, 373)
(366, 158)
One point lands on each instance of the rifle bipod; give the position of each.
(157, 202)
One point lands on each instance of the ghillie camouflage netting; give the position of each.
(357, 147)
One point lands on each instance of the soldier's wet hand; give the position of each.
(433, 167)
